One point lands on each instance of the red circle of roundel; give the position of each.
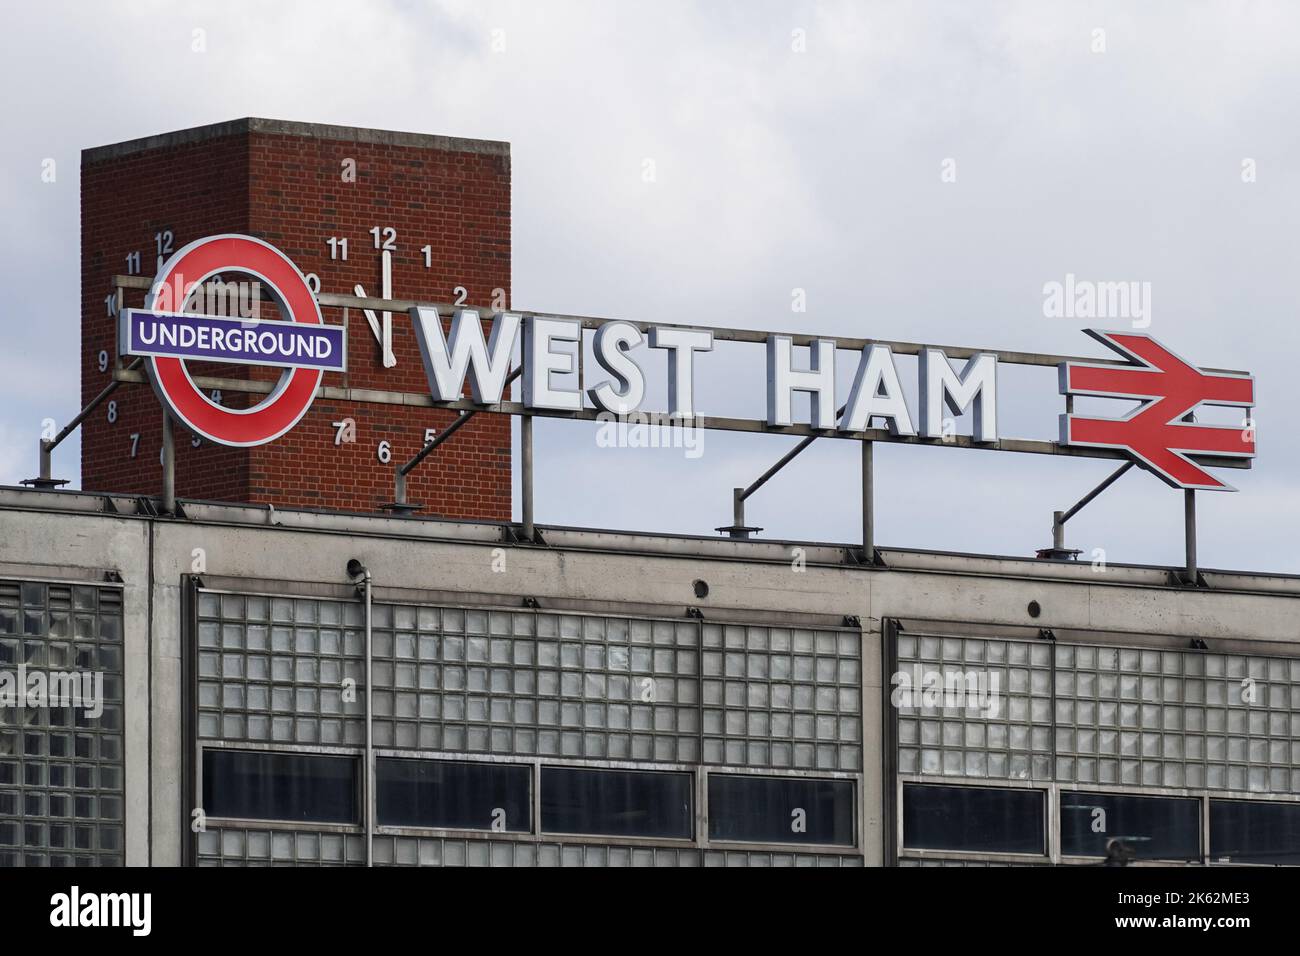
(288, 402)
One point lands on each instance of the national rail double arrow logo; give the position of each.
(1156, 432)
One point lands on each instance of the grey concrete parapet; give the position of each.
(254, 124)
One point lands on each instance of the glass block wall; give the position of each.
(1130, 717)
(61, 769)
(577, 688)
(776, 697)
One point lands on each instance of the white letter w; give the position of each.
(487, 363)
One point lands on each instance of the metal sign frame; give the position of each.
(131, 373)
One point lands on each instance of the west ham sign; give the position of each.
(1158, 434)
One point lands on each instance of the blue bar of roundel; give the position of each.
(213, 338)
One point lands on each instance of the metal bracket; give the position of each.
(741, 531)
(514, 534)
(45, 484)
(859, 558)
(852, 620)
(1179, 579)
(695, 612)
(1198, 645)
(113, 577)
(532, 602)
(1046, 634)
(148, 507)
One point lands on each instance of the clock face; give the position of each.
(229, 295)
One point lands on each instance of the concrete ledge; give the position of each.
(594, 540)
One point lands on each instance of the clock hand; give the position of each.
(389, 358)
(383, 333)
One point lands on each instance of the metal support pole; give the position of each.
(738, 529)
(1189, 529)
(526, 475)
(399, 481)
(370, 740)
(47, 446)
(169, 467)
(1058, 550)
(868, 504)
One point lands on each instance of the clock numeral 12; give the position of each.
(389, 240)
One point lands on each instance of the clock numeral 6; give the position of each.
(385, 452)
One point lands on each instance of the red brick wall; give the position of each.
(289, 189)
(194, 189)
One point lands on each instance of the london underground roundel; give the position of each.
(301, 343)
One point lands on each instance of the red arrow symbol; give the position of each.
(1154, 433)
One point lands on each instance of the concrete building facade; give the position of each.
(609, 698)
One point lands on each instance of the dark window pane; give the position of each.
(1245, 832)
(780, 809)
(249, 785)
(459, 796)
(973, 819)
(1154, 828)
(616, 802)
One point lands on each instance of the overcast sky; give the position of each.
(794, 146)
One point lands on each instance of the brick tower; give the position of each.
(335, 200)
